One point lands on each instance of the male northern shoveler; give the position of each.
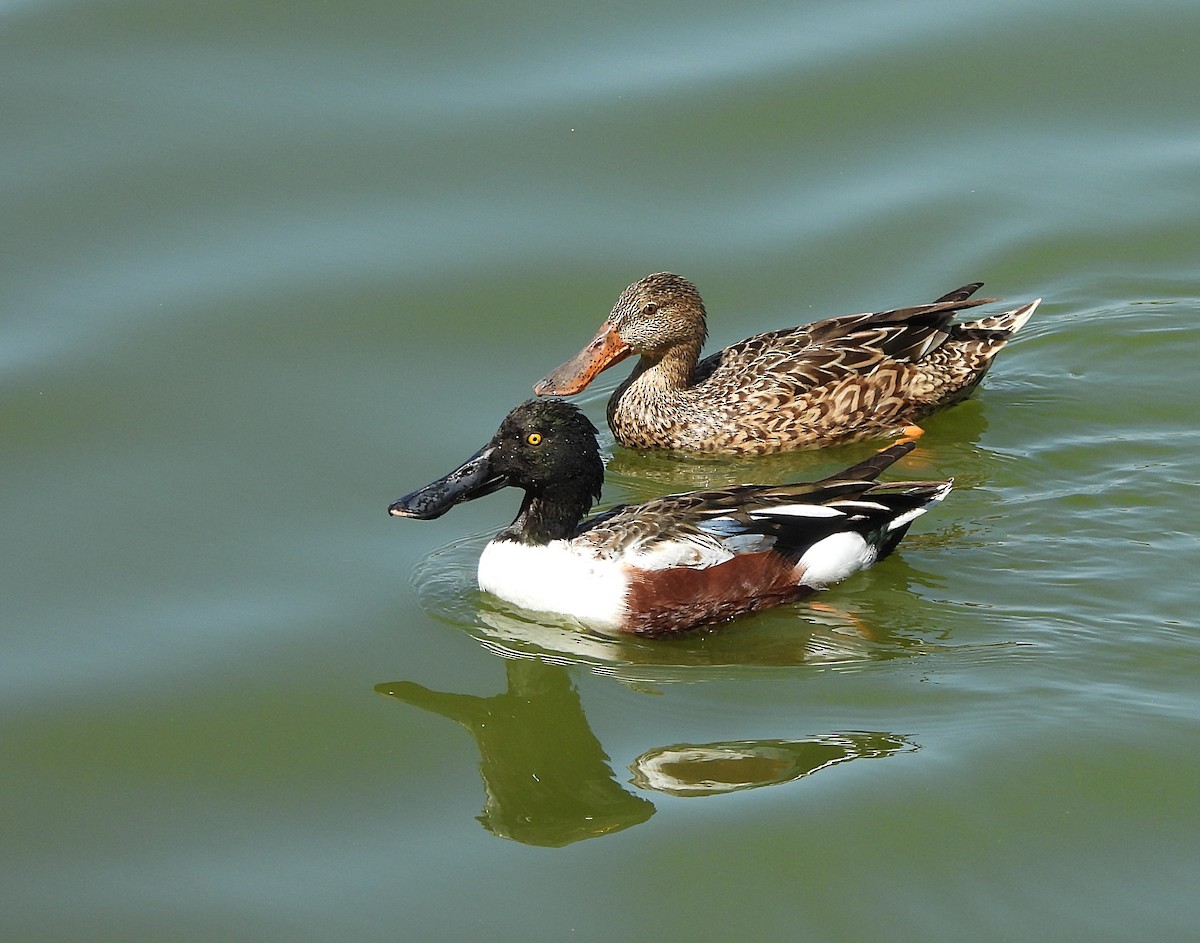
(672, 563)
(840, 379)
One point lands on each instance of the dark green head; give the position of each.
(547, 442)
(545, 447)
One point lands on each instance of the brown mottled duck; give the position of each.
(844, 378)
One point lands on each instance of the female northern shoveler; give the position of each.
(676, 562)
(843, 378)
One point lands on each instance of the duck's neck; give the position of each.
(669, 372)
(551, 513)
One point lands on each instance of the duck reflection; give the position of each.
(549, 782)
(547, 778)
(806, 633)
(707, 769)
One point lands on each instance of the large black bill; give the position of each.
(472, 479)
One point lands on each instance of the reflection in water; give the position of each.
(548, 780)
(638, 476)
(711, 768)
(822, 636)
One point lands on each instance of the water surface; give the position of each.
(267, 267)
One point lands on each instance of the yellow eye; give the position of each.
(534, 438)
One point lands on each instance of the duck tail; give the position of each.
(919, 496)
(1006, 323)
(871, 468)
(960, 294)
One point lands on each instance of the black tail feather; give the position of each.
(871, 468)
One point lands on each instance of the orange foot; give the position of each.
(907, 434)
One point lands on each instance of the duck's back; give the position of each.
(836, 380)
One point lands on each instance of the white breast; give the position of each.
(557, 577)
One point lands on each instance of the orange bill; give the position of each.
(605, 349)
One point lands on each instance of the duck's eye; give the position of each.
(534, 438)
(649, 307)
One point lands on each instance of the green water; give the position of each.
(267, 267)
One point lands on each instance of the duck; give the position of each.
(671, 564)
(846, 378)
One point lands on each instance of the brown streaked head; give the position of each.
(653, 315)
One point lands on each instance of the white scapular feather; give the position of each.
(799, 510)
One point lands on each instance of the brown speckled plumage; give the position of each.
(835, 380)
